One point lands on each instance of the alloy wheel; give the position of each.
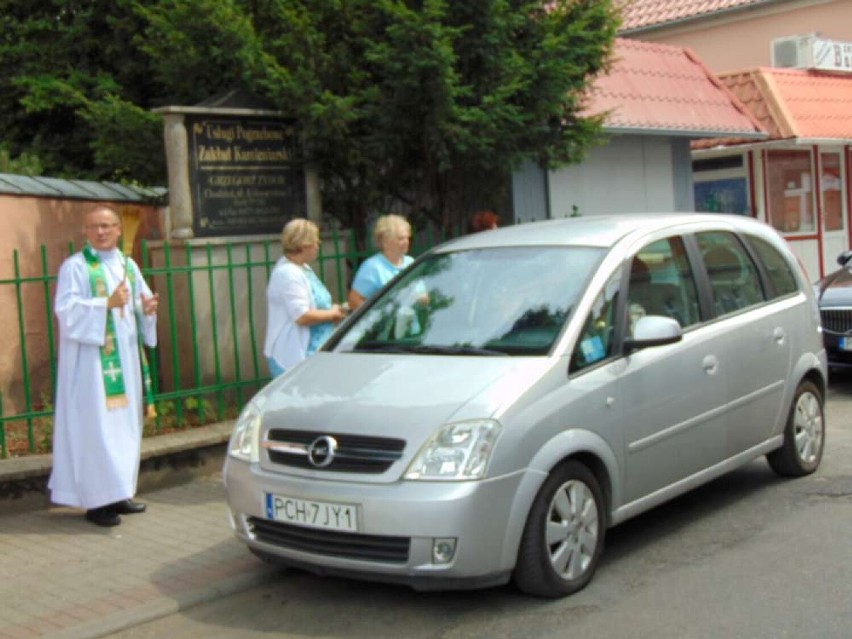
(573, 526)
(808, 427)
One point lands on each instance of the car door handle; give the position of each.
(710, 364)
(779, 335)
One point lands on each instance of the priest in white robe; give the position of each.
(103, 306)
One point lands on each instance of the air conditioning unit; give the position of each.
(812, 52)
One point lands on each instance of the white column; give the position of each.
(177, 157)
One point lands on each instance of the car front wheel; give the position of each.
(564, 534)
(804, 435)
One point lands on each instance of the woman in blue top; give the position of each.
(300, 315)
(392, 234)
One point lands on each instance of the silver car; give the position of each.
(515, 393)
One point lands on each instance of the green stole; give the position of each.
(113, 376)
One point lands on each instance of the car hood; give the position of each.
(836, 289)
(392, 395)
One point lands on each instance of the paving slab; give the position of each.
(64, 578)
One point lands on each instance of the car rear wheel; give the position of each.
(564, 534)
(804, 435)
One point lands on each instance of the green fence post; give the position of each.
(233, 309)
(3, 451)
(220, 407)
(51, 346)
(335, 240)
(250, 291)
(148, 272)
(193, 327)
(170, 293)
(28, 400)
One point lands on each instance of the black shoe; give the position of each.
(103, 516)
(128, 507)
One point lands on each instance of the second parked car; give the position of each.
(834, 295)
(513, 394)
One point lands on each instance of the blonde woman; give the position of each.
(300, 315)
(392, 234)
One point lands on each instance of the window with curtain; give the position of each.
(832, 204)
(790, 190)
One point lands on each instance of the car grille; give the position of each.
(325, 542)
(836, 320)
(354, 454)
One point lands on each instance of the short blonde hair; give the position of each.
(387, 225)
(298, 233)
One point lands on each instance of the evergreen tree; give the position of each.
(431, 103)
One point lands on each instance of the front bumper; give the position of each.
(837, 357)
(397, 526)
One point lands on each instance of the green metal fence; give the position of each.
(208, 361)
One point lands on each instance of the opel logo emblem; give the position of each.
(321, 451)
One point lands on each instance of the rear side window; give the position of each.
(733, 275)
(777, 268)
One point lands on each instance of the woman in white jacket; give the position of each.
(300, 313)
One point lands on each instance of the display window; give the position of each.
(790, 191)
(721, 186)
(831, 189)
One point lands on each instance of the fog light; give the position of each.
(443, 550)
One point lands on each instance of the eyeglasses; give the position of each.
(101, 227)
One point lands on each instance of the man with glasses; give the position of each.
(105, 311)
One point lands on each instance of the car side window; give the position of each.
(733, 276)
(596, 340)
(780, 274)
(662, 283)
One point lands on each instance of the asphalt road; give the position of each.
(749, 555)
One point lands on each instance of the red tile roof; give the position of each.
(665, 89)
(637, 14)
(796, 103)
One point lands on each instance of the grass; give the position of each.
(193, 413)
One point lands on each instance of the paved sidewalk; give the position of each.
(62, 577)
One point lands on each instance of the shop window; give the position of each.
(728, 195)
(721, 185)
(832, 204)
(791, 204)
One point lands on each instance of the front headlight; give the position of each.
(456, 452)
(244, 439)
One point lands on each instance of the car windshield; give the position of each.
(495, 301)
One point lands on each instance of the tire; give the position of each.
(804, 435)
(564, 534)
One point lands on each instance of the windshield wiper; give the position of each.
(379, 347)
(423, 349)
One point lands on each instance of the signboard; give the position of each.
(243, 176)
(831, 55)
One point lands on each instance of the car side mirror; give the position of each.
(653, 330)
(844, 258)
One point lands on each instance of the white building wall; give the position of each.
(630, 174)
(684, 188)
(529, 194)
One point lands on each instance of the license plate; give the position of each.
(845, 344)
(314, 514)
